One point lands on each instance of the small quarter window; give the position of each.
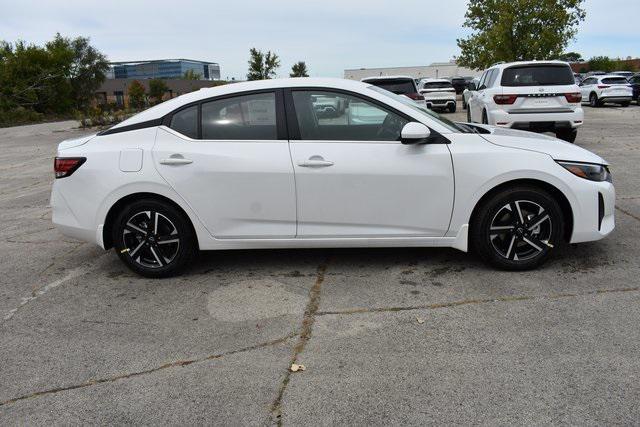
(186, 122)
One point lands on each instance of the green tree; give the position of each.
(191, 75)
(299, 69)
(602, 63)
(157, 89)
(136, 94)
(515, 30)
(571, 57)
(262, 66)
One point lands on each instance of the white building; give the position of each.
(435, 70)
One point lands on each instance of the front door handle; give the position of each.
(313, 163)
(175, 161)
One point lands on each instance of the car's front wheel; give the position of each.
(517, 228)
(468, 114)
(452, 108)
(153, 238)
(625, 104)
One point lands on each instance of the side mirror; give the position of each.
(415, 133)
(471, 86)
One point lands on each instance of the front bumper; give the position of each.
(569, 118)
(594, 215)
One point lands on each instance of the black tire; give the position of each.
(523, 246)
(568, 135)
(154, 249)
(485, 119)
(452, 108)
(469, 115)
(464, 104)
(625, 104)
(593, 101)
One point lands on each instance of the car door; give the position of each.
(354, 178)
(475, 102)
(229, 159)
(586, 87)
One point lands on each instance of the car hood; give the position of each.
(556, 148)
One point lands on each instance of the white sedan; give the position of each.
(305, 163)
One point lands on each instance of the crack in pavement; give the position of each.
(475, 301)
(174, 364)
(72, 274)
(305, 334)
(637, 218)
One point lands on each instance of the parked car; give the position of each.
(400, 85)
(578, 78)
(635, 86)
(598, 90)
(438, 93)
(471, 86)
(252, 165)
(460, 83)
(538, 96)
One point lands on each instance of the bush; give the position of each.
(19, 116)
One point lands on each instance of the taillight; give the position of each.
(573, 97)
(505, 99)
(415, 96)
(65, 166)
(603, 86)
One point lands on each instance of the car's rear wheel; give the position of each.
(468, 114)
(452, 108)
(568, 135)
(153, 238)
(625, 104)
(517, 228)
(593, 100)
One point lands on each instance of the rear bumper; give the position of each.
(616, 99)
(66, 220)
(570, 118)
(440, 103)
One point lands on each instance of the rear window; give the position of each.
(437, 85)
(615, 81)
(537, 75)
(397, 86)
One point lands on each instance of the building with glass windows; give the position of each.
(164, 69)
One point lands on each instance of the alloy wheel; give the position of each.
(521, 230)
(150, 239)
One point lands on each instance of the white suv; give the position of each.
(538, 96)
(608, 88)
(438, 93)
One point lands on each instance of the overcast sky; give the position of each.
(330, 35)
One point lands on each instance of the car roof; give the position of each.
(504, 65)
(366, 79)
(168, 106)
(608, 76)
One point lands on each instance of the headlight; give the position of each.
(590, 171)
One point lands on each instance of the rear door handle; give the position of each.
(175, 161)
(313, 163)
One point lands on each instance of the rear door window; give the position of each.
(537, 75)
(247, 117)
(491, 78)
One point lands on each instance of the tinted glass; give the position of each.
(332, 116)
(615, 81)
(398, 86)
(482, 79)
(538, 75)
(186, 122)
(437, 85)
(248, 117)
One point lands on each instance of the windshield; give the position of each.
(399, 86)
(537, 75)
(453, 127)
